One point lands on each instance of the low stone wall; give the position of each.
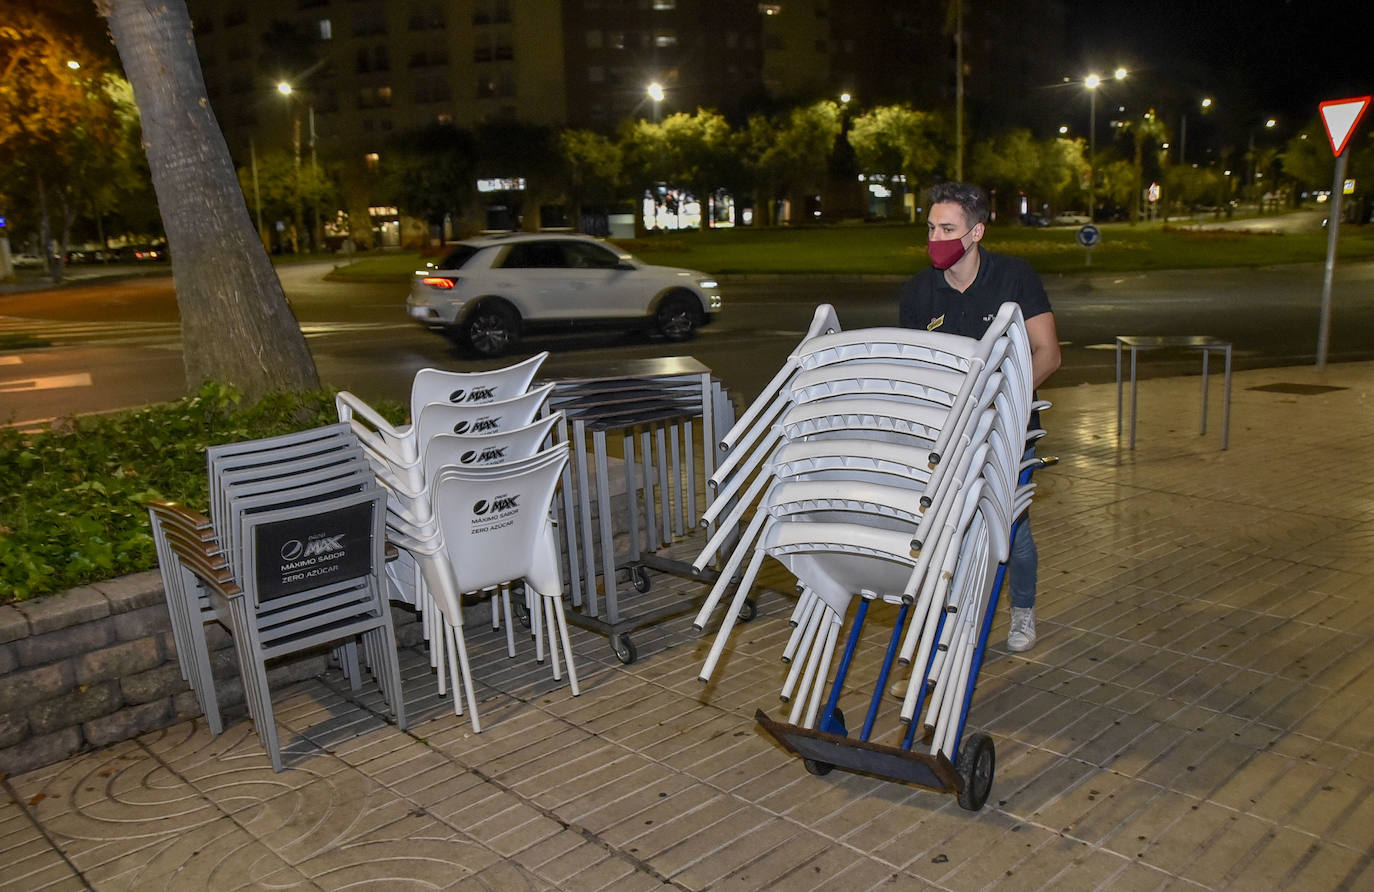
(98, 664)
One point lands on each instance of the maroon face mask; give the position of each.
(944, 254)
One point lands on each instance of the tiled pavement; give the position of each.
(1199, 713)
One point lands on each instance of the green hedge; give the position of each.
(71, 498)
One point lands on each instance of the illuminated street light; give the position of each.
(1119, 74)
(844, 98)
(1063, 129)
(655, 91)
(73, 64)
(1207, 102)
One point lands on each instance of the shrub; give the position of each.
(71, 498)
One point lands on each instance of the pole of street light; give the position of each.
(1092, 83)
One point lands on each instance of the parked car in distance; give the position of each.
(487, 292)
(1071, 219)
(142, 253)
(27, 259)
(1034, 219)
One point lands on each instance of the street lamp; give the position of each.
(1092, 82)
(286, 90)
(655, 91)
(1206, 104)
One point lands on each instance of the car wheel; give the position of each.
(678, 316)
(492, 329)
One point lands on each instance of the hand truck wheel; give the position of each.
(748, 611)
(639, 576)
(976, 765)
(624, 648)
(819, 769)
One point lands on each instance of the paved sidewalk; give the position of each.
(1199, 713)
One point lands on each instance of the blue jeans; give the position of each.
(1023, 566)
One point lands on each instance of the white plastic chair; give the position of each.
(436, 386)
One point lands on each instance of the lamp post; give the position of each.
(286, 90)
(1268, 125)
(1092, 82)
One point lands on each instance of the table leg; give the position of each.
(1133, 395)
(1226, 403)
(1206, 354)
(1118, 388)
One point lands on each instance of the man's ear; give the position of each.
(977, 232)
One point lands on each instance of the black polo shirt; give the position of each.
(928, 301)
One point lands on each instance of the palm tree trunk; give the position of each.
(235, 323)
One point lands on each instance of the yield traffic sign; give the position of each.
(1340, 117)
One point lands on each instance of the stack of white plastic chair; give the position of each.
(483, 431)
(881, 463)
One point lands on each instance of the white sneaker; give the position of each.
(1022, 635)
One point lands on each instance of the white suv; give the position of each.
(487, 291)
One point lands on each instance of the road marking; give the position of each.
(11, 360)
(51, 382)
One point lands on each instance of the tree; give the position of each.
(900, 139)
(791, 154)
(1145, 130)
(592, 170)
(236, 326)
(430, 173)
(57, 122)
(699, 154)
(1007, 165)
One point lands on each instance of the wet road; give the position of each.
(117, 344)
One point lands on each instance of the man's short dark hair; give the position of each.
(973, 200)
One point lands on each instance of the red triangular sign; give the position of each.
(1341, 116)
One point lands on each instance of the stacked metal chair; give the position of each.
(482, 460)
(290, 558)
(884, 464)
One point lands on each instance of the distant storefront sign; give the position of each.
(501, 184)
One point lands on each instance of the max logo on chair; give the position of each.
(475, 395)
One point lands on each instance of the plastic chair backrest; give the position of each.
(483, 450)
(491, 523)
(486, 418)
(472, 388)
(325, 545)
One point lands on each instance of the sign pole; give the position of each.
(1340, 117)
(1333, 227)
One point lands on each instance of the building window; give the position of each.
(615, 40)
(665, 4)
(426, 17)
(770, 8)
(326, 29)
(491, 12)
(374, 97)
(372, 160)
(665, 38)
(432, 89)
(369, 22)
(594, 39)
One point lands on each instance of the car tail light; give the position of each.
(443, 284)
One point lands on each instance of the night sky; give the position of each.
(1259, 57)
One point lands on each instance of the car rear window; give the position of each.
(457, 257)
